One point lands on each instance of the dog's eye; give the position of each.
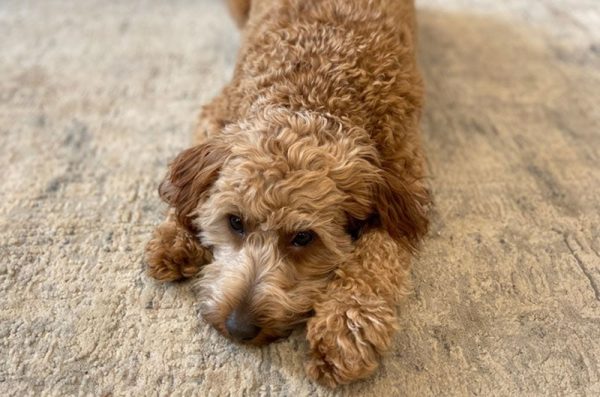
(236, 224)
(302, 239)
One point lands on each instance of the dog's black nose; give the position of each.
(240, 326)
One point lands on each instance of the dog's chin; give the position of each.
(265, 336)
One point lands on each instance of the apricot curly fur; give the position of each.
(173, 254)
(317, 132)
(355, 319)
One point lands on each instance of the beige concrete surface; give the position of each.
(95, 98)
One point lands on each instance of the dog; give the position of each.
(304, 198)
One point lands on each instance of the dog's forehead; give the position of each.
(275, 193)
(296, 169)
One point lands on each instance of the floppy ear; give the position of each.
(401, 206)
(190, 176)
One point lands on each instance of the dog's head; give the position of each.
(280, 200)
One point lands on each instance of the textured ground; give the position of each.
(96, 97)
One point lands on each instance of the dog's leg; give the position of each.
(174, 254)
(239, 10)
(355, 320)
(213, 117)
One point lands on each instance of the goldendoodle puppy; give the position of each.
(304, 199)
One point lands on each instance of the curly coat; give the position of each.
(316, 135)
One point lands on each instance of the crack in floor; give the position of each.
(583, 267)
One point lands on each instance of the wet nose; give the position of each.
(240, 325)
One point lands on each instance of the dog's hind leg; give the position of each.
(214, 116)
(239, 10)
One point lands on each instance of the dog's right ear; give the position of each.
(190, 176)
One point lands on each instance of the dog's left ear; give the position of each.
(190, 176)
(401, 205)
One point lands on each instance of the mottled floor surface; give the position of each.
(97, 96)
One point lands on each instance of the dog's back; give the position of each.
(352, 59)
(240, 9)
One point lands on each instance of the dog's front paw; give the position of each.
(332, 365)
(173, 254)
(346, 341)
